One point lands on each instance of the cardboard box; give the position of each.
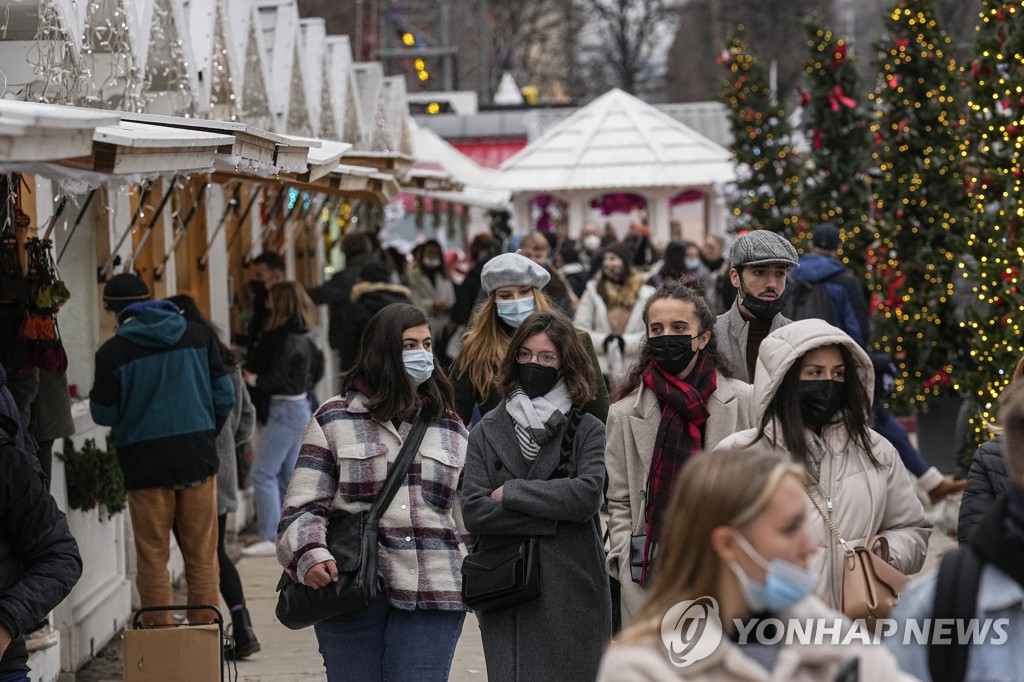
(172, 654)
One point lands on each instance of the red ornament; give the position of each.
(818, 138)
(1012, 130)
(902, 43)
(805, 98)
(1000, 16)
(893, 82)
(838, 53)
(837, 97)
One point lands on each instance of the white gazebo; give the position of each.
(619, 144)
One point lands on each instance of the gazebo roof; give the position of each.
(616, 142)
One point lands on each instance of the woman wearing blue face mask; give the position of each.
(736, 543)
(349, 446)
(513, 286)
(812, 402)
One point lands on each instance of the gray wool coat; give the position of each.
(237, 429)
(561, 634)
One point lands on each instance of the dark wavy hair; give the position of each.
(577, 370)
(190, 311)
(379, 363)
(692, 293)
(785, 407)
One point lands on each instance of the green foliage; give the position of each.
(919, 200)
(93, 476)
(765, 195)
(994, 136)
(835, 123)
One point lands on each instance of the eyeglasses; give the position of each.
(545, 358)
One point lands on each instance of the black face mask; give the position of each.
(821, 400)
(761, 308)
(535, 379)
(673, 353)
(258, 289)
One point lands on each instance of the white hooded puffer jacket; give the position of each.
(863, 499)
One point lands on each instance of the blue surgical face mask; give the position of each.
(692, 263)
(785, 584)
(514, 312)
(419, 365)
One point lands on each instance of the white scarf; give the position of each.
(536, 421)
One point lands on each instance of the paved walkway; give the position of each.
(292, 656)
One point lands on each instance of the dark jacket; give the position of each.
(286, 361)
(336, 293)
(10, 417)
(368, 298)
(39, 559)
(849, 306)
(467, 397)
(161, 384)
(574, 603)
(986, 483)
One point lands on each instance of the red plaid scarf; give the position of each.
(684, 410)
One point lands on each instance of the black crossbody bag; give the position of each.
(352, 541)
(496, 577)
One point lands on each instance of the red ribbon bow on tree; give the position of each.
(837, 97)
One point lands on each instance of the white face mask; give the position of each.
(591, 243)
(419, 365)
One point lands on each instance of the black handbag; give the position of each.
(497, 577)
(352, 541)
(504, 572)
(636, 556)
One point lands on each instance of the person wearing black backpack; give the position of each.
(982, 579)
(824, 288)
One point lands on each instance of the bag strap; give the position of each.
(828, 521)
(397, 475)
(956, 595)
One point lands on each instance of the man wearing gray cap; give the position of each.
(759, 262)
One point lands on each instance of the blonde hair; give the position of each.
(726, 488)
(1018, 372)
(289, 300)
(536, 240)
(485, 343)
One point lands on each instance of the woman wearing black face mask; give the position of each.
(676, 401)
(535, 468)
(813, 402)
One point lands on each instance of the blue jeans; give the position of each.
(14, 677)
(278, 449)
(385, 644)
(894, 432)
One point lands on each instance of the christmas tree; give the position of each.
(836, 125)
(765, 194)
(919, 200)
(994, 170)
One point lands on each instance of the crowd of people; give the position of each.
(648, 422)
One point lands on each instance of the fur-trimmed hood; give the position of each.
(363, 288)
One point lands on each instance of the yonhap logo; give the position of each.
(691, 631)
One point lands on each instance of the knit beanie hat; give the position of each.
(122, 290)
(626, 253)
(512, 270)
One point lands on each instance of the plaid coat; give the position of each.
(344, 459)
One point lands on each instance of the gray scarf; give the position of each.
(537, 421)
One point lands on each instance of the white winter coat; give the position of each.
(592, 317)
(864, 500)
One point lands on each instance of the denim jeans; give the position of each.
(14, 677)
(278, 449)
(385, 644)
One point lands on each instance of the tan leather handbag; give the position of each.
(871, 585)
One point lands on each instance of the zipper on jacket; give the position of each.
(828, 505)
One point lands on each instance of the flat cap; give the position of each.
(761, 247)
(512, 270)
